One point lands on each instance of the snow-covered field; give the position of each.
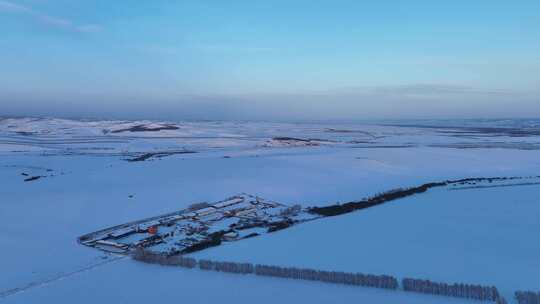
(86, 183)
(483, 236)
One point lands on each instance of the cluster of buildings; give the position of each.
(232, 219)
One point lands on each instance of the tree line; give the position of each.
(528, 297)
(359, 279)
(457, 290)
(151, 257)
(381, 198)
(232, 267)
(338, 277)
(378, 199)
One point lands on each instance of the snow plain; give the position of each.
(486, 235)
(483, 236)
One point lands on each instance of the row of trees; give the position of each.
(226, 266)
(151, 257)
(381, 198)
(457, 290)
(358, 279)
(378, 199)
(528, 297)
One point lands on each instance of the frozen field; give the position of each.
(132, 282)
(474, 235)
(86, 183)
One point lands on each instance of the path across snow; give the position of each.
(13, 291)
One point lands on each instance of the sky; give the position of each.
(273, 59)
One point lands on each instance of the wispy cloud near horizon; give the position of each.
(414, 101)
(425, 89)
(52, 21)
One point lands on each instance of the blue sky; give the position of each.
(253, 59)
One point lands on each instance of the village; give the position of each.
(200, 226)
(204, 225)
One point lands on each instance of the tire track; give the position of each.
(14, 291)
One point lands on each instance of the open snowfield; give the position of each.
(483, 235)
(86, 183)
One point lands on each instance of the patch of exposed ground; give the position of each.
(156, 155)
(145, 128)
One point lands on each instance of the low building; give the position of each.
(230, 202)
(205, 211)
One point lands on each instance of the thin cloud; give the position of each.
(89, 28)
(437, 89)
(233, 48)
(13, 7)
(159, 49)
(419, 90)
(47, 19)
(56, 21)
(210, 48)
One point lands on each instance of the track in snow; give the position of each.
(13, 291)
